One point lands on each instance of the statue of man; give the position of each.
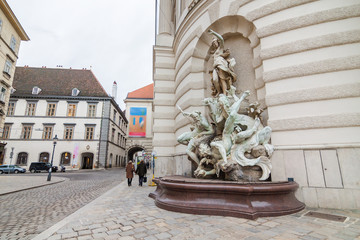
(223, 75)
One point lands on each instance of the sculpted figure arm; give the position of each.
(186, 114)
(219, 37)
(206, 128)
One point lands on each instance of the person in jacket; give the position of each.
(141, 171)
(129, 172)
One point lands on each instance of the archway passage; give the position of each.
(132, 151)
(87, 160)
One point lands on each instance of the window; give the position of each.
(91, 110)
(44, 157)
(26, 132)
(13, 43)
(6, 132)
(11, 109)
(8, 66)
(71, 110)
(75, 92)
(30, 109)
(36, 90)
(89, 133)
(2, 94)
(22, 158)
(47, 133)
(65, 158)
(51, 107)
(114, 117)
(118, 139)
(68, 134)
(112, 135)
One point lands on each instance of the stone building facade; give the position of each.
(70, 104)
(300, 59)
(139, 139)
(11, 35)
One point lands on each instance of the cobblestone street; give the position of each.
(127, 213)
(73, 210)
(27, 213)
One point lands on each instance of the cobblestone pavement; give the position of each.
(27, 213)
(128, 213)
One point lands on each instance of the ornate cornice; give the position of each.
(193, 4)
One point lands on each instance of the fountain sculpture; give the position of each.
(232, 153)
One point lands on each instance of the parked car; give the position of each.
(11, 169)
(41, 166)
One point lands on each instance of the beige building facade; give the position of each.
(11, 35)
(300, 59)
(70, 104)
(139, 112)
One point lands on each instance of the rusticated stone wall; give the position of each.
(303, 66)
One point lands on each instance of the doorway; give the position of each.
(87, 160)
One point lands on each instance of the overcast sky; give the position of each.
(114, 37)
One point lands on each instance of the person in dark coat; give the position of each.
(141, 171)
(129, 172)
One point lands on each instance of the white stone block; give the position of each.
(314, 168)
(328, 198)
(347, 199)
(331, 169)
(295, 166)
(278, 166)
(349, 160)
(310, 197)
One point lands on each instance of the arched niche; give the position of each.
(240, 37)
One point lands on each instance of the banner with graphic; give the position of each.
(137, 124)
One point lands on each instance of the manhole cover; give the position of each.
(326, 216)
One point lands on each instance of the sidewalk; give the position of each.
(10, 184)
(128, 213)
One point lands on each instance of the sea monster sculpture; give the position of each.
(233, 145)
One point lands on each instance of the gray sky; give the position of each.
(114, 37)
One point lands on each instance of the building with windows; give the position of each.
(139, 112)
(11, 35)
(70, 104)
(300, 60)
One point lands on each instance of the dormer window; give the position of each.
(36, 90)
(12, 90)
(75, 92)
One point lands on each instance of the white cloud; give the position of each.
(115, 37)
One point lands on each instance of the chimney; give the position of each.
(114, 91)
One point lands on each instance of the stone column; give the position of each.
(165, 12)
(166, 26)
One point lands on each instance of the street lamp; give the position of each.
(52, 158)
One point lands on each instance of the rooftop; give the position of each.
(146, 92)
(56, 82)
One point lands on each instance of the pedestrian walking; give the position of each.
(141, 171)
(130, 172)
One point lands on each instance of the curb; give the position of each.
(42, 185)
(51, 230)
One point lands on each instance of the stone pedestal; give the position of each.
(224, 198)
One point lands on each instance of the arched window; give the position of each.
(44, 157)
(22, 158)
(65, 158)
